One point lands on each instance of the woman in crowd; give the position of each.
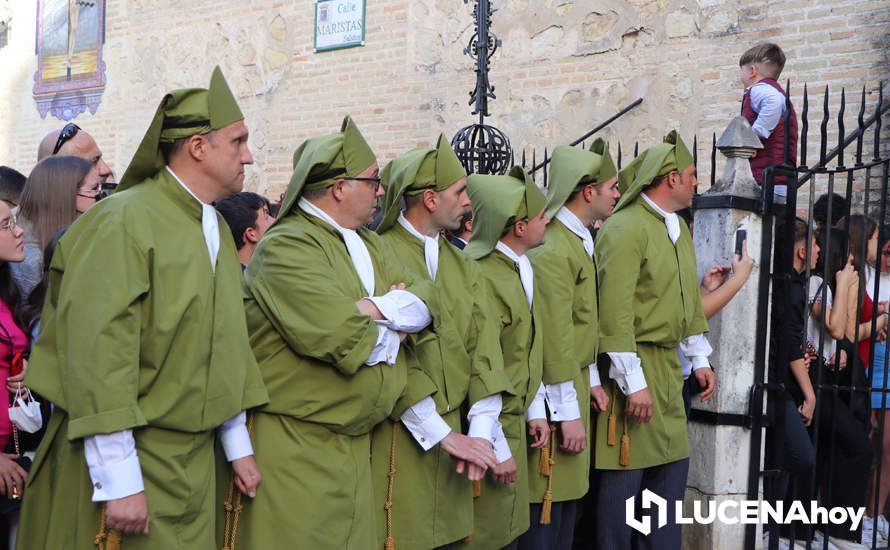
(58, 190)
(845, 453)
(880, 380)
(863, 248)
(13, 345)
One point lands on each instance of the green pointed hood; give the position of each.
(182, 113)
(608, 170)
(499, 202)
(414, 172)
(320, 161)
(653, 163)
(570, 168)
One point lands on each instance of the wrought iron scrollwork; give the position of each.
(483, 149)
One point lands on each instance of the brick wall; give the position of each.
(564, 66)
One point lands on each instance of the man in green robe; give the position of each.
(583, 189)
(327, 304)
(508, 221)
(143, 347)
(458, 364)
(650, 304)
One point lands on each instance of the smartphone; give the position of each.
(740, 236)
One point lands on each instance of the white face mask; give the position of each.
(25, 412)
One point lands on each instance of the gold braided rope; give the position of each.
(106, 539)
(233, 504)
(390, 542)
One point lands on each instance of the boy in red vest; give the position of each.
(763, 105)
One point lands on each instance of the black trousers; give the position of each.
(844, 459)
(558, 534)
(792, 452)
(616, 486)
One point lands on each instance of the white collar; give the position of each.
(508, 251)
(671, 220)
(526, 274)
(355, 246)
(179, 181)
(430, 246)
(576, 226)
(307, 206)
(409, 227)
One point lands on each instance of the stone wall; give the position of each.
(564, 66)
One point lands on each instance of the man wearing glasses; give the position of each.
(327, 307)
(71, 140)
(143, 374)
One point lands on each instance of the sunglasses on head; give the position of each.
(69, 131)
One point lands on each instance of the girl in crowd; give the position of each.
(845, 453)
(58, 190)
(880, 379)
(13, 344)
(863, 248)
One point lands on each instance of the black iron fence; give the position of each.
(849, 435)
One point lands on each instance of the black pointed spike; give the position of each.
(523, 158)
(534, 160)
(713, 158)
(636, 149)
(823, 129)
(841, 134)
(860, 123)
(546, 169)
(695, 151)
(878, 117)
(619, 155)
(786, 121)
(583, 145)
(804, 126)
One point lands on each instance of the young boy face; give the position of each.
(748, 74)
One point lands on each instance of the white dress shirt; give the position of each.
(626, 369)
(111, 458)
(421, 419)
(573, 224)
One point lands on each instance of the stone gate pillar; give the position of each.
(719, 443)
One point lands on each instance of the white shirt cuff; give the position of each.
(627, 371)
(403, 311)
(537, 409)
(113, 465)
(563, 401)
(483, 416)
(386, 349)
(502, 450)
(425, 424)
(234, 437)
(594, 376)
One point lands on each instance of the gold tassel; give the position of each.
(624, 452)
(477, 488)
(390, 542)
(610, 434)
(547, 504)
(232, 505)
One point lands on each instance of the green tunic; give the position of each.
(650, 300)
(565, 279)
(502, 511)
(458, 362)
(312, 441)
(139, 334)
